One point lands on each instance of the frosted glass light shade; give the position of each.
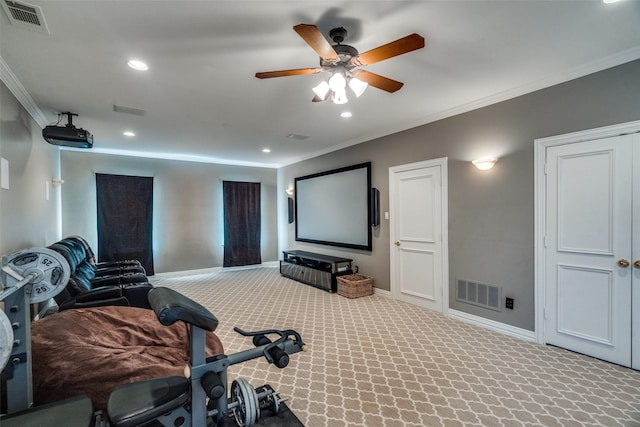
(357, 86)
(484, 164)
(321, 90)
(340, 97)
(337, 82)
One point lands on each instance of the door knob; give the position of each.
(398, 244)
(636, 264)
(623, 263)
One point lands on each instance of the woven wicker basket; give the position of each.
(355, 285)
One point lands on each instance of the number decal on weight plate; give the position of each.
(40, 289)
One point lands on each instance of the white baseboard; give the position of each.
(382, 292)
(184, 273)
(503, 328)
(169, 274)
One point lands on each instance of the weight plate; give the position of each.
(247, 409)
(274, 399)
(6, 339)
(240, 410)
(270, 399)
(254, 398)
(51, 271)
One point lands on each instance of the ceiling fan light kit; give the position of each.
(343, 61)
(336, 85)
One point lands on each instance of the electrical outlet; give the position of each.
(509, 303)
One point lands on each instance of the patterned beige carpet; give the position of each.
(374, 361)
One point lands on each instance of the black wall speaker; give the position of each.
(375, 207)
(290, 207)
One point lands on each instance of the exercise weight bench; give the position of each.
(201, 398)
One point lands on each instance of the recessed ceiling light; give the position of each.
(610, 1)
(266, 150)
(138, 65)
(346, 114)
(128, 133)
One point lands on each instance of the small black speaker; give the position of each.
(375, 207)
(290, 207)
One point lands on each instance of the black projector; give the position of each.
(68, 136)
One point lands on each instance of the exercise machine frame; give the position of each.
(208, 375)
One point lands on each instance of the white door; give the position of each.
(635, 280)
(588, 248)
(418, 224)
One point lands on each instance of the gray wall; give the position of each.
(187, 211)
(491, 213)
(27, 218)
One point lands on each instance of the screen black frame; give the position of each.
(368, 246)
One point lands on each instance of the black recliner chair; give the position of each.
(106, 267)
(114, 273)
(89, 286)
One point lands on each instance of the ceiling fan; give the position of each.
(343, 61)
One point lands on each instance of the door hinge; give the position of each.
(546, 168)
(544, 313)
(544, 241)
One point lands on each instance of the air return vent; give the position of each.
(487, 296)
(129, 110)
(25, 15)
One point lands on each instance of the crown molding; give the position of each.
(18, 90)
(602, 64)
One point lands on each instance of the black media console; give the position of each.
(314, 269)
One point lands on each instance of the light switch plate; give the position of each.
(4, 173)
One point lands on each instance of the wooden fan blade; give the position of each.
(378, 81)
(316, 98)
(285, 73)
(314, 38)
(406, 44)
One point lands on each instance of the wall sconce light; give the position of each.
(289, 191)
(484, 164)
(56, 182)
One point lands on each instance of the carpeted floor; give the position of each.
(374, 361)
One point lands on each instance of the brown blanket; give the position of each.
(91, 351)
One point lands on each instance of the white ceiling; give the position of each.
(203, 102)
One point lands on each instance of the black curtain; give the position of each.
(241, 223)
(125, 215)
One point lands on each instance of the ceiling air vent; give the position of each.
(296, 136)
(129, 110)
(25, 15)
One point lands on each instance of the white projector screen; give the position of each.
(333, 207)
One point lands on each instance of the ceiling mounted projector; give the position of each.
(68, 135)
